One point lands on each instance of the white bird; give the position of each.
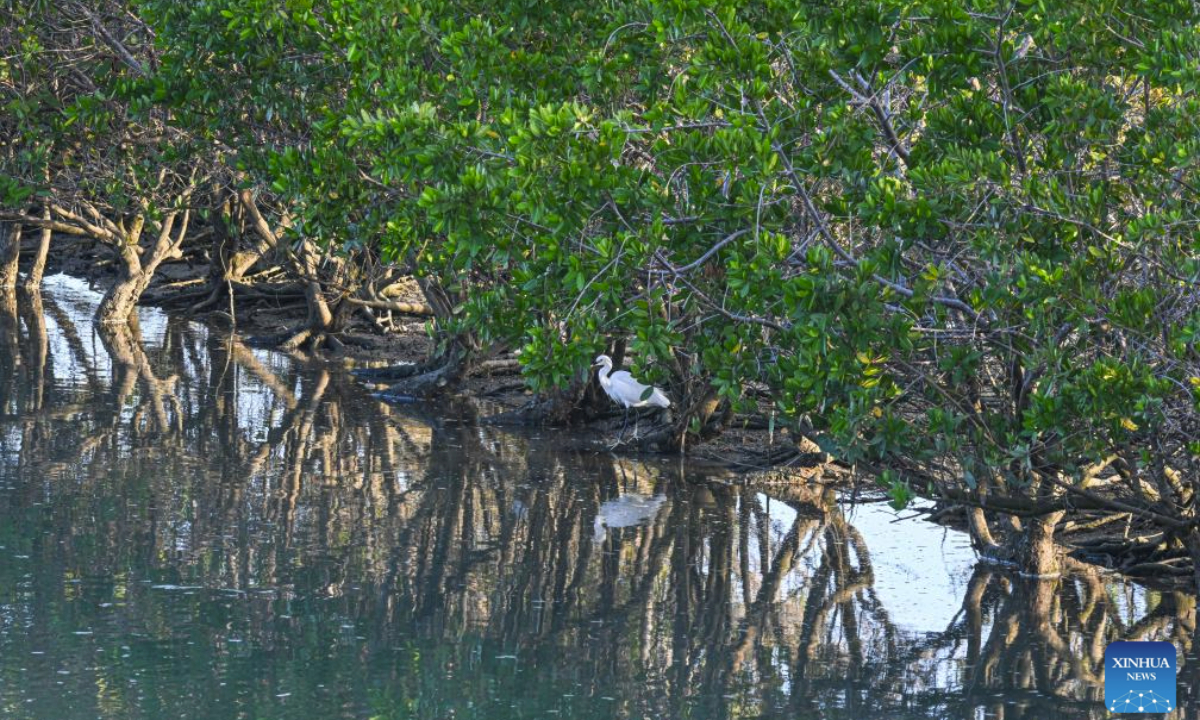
(624, 390)
(628, 510)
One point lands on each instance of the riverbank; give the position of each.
(750, 451)
(271, 306)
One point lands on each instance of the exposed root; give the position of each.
(513, 387)
(211, 300)
(490, 368)
(391, 373)
(297, 340)
(428, 381)
(575, 405)
(374, 322)
(662, 437)
(168, 296)
(407, 308)
(332, 343)
(423, 385)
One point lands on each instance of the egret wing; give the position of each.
(627, 390)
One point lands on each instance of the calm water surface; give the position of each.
(193, 529)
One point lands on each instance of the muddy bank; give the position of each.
(266, 308)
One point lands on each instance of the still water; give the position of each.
(190, 528)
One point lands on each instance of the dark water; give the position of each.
(193, 529)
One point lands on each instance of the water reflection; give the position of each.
(190, 528)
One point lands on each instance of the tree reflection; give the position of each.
(1039, 642)
(230, 527)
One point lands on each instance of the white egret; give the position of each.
(623, 389)
(628, 510)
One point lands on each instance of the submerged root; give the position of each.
(429, 378)
(662, 437)
(423, 385)
(555, 409)
(294, 340)
(392, 373)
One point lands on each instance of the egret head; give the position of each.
(601, 361)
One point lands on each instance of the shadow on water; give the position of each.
(190, 528)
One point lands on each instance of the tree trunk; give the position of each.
(36, 351)
(33, 279)
(1036, 552)
(982, 539)
(10, 254)
(10, 349)
(220, 269)
(262, 242)
(11, 379)
(323, 319)
(230, 260)
(121, 300)
(320, 316)
(436, 298)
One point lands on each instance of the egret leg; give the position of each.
(624, 425)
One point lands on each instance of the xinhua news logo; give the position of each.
(1139, 677)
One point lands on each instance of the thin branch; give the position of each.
(882, 114)
(116, 45)
(672, 270)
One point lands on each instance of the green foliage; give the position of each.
(958, 236)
